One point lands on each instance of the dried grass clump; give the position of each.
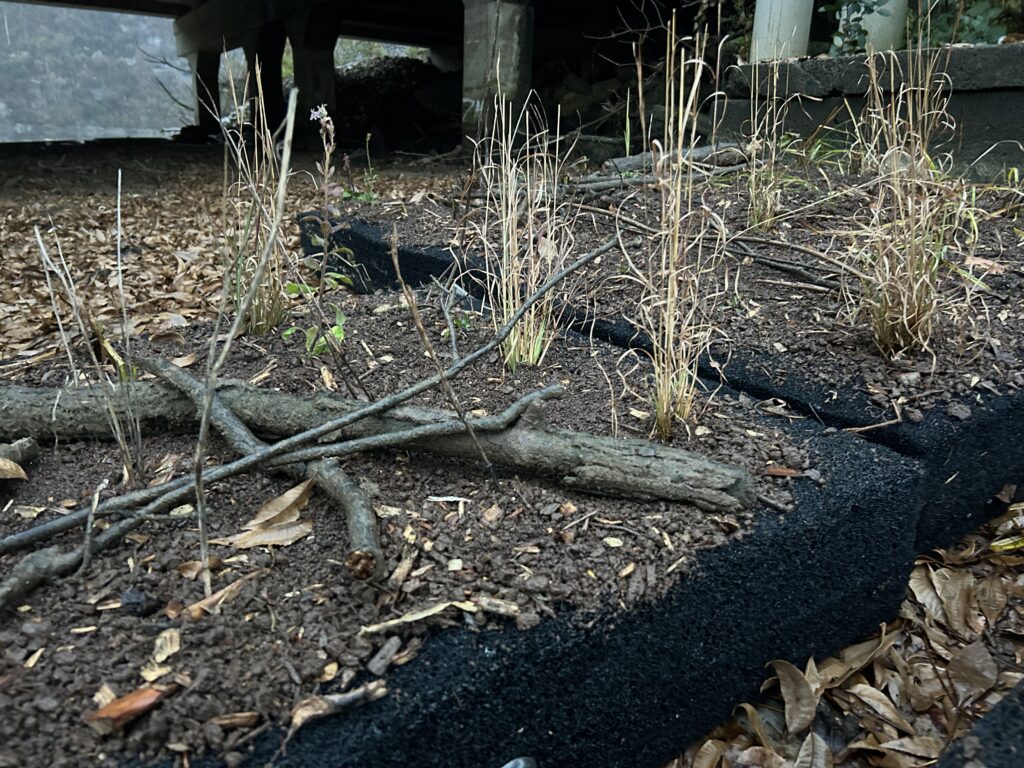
(919, 210)
(526, 229)
(680, 281)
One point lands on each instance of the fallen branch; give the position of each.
(724, 153)
(43, 565)
(635, 468)
(366, 558)
(433, 427)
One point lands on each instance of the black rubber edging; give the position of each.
(995, 741)
(632, 688)
(965, 462)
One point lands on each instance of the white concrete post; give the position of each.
(887, 33)
(781, 29)
(498, 35)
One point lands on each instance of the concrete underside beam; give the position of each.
(220, 25)
(143, 7)
(497, 57)
(313, 35)
(226, 24)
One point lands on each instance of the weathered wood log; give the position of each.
(636, 469)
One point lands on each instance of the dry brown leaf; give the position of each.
(757, 725)
(924, 590)
(955, 589)
(236, 720)
(130, 706)
(973, 671)
(758, 757)
(282, 509)
(834, 672)
(927, 747)
(318, 706)
(280, 535)
(192, 568)
(709, 755)
(153, 671)
(986, 264)
(991, 595)
(880, 704)
(167, 644)
(775, 470)
(814, 753)
(924, 686)
(801, 701)
(213, 603)
(11, 470)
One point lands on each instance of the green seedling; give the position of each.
(318, 342)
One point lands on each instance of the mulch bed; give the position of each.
(528, 542)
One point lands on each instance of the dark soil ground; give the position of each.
(295, 626)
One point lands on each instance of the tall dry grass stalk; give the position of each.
(526, 229)
(246, 304)
(679, 285)
(919, 209)
(117, 396)
(252, 172)
(768, 107)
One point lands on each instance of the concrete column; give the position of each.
(267, 48)
(781, 29)
(313, 35)
(887, 32)
(497, 56)
(206, 86)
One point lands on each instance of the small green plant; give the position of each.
(851, 36)
(956, 21)
(317, 341)
(332, 281)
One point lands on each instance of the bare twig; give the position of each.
(414, 311)
(216, 360)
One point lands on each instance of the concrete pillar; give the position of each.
(266, 46)
(497, 55)
(886, 26)
(313, 35)
(206, 86)
(781, 29)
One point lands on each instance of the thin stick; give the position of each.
(414, 311)
(216, 362)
